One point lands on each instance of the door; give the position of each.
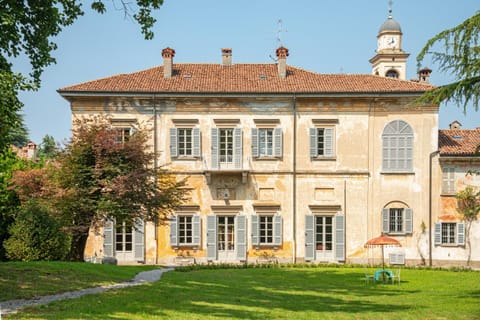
(226, 238)
(124, 242)
(324, 238)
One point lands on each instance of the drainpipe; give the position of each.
(155, 166)
(294, 202)
(432, 155)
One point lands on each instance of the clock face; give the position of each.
(392, 42)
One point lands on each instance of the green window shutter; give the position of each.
(196, 142)
(214, 142)
(254, 142)
(278, 151)
(313, 143)
(173, 143)
(139, 240)
(438, 233)
(408, 220)
(108, 236)
(237, 144)
(309, 238)
(385, 220)
(340, 238)
(211, 237)
(174, 231)
(277, 230)
(196, 230)
(255, 230)
(241, 237)
(461, 234)
(328, 136)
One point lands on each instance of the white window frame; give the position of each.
(270, 147)
(397, 147)
(178, 149)
(182, 230)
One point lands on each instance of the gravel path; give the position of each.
(13, 306)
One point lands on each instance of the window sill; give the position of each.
(324, 158)
(397, 233)
(393, 173)
(447, 194)
(449, 245)
(267, 158)
(186, 158)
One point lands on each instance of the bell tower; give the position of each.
(390, 60)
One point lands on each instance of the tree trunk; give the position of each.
(77, 249)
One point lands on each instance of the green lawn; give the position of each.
(280, 293)
(22, 280)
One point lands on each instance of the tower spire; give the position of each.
(390, 2)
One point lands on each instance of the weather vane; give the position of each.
(390, 2)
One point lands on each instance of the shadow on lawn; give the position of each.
(243, 293)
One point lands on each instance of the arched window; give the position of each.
(397, 147)
(391, 74)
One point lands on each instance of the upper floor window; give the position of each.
(226, 148)
(397, 147)
(397, 220)
(450, 233)
(266, 142)
(185, 142)
(448, 180)
(321, 142)
(122, 134)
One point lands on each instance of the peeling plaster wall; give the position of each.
(352, 180)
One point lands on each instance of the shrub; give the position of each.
(35, 235)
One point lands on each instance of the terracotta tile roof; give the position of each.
(243, 78)
(459, 142)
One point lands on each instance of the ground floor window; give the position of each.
(450, 233)
(323, 232)
(124, 237)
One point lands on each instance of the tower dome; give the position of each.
(390, 25)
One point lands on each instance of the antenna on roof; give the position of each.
(279, 38)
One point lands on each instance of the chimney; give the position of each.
(226, 56)
(168, 54)
(282, 54)
(424, 75)
(455, 125)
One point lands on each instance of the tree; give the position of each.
(36, 235)
(461, 58)
(47, 148)
(469, 206)
(101, 178)
(27, 29)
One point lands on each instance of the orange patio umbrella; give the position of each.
(382, 241)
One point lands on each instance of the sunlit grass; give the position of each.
(280, 293)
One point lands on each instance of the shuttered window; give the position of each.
(449, 233)
(266, 142)
(226, 148)
(184, 142)
(397, 147)
(266, 230)
(185, 230)
(397, 220)
(448, 180)
(322, 142)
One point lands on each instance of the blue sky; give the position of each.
(324, 36)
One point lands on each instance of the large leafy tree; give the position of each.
(47, 148)
(27, 29)
(99, 177)
(460, 58)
